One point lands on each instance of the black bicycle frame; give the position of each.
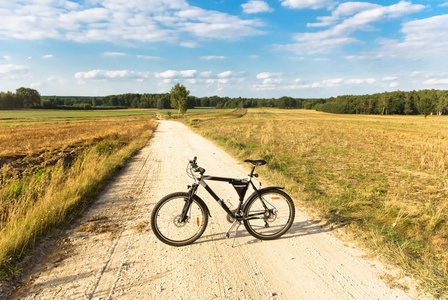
(241, 186)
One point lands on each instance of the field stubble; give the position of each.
(50, 172)
(382, 177)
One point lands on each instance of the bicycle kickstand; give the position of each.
(236, 230)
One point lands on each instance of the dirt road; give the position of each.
(110, 252)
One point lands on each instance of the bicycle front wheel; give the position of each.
(166, 219)
(269, 216)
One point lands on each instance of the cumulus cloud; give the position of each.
(115, 20)
(47, 56)
(360, 81)
(6, 57)
(393, 84)
(313, 4)
(11, 71)
(346, 19)
(254, 7)
(104, 74)
(426, 37)
(436, 81)
(226, 74)
(267, 75)
(170, 74)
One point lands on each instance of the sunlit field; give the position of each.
(50, 171)
(384, 178)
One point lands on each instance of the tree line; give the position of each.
(424, 102)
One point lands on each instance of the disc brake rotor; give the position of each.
(177, 221)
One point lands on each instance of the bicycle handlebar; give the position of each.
(195, 167)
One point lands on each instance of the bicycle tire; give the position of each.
(271, 225)
(165, 219)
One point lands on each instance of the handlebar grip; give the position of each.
(201, 170)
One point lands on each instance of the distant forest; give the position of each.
(426, 102)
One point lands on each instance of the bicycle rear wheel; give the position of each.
(166, 219)
(270, 216)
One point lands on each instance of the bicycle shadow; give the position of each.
(298, 229)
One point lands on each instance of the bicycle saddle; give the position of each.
(258, 162)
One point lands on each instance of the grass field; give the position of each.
(46, 116)
(50, 171)
(383, 178)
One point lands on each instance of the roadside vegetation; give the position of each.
(50, 171)
(382, 178)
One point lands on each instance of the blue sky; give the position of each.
(298, 48)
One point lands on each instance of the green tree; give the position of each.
(384, 103)
(29, 97)
(409, 101)
(179, 98)
(426, 102)
(9, 101)
(442, 102)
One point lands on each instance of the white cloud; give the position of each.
(11, 71)
(226, 74)
(176, 74)
(343, 10)
(4, 69)
(104, 74)
(393, 84)
(425, 38)
(389, 78)
(436, 81)
(47, 56)
(189, 44)
(115, 20)
(344, 21)
(114, 54)
(313, 4)
(147, 57)
(6, 57)
(364, 57)
(443, 4)
(254, 7)
(266, 75)
(212, 57)
(360, 81)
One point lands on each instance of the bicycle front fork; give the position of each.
(191, 191)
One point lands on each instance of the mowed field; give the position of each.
(52, 164)
(383, 179)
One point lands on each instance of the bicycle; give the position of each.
(179, 219)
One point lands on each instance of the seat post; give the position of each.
(252, 172)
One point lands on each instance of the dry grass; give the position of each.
(26, 139)
(385, 177)
(39, 201)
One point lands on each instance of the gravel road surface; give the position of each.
(111, 253)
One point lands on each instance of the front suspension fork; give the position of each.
(188, 201)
